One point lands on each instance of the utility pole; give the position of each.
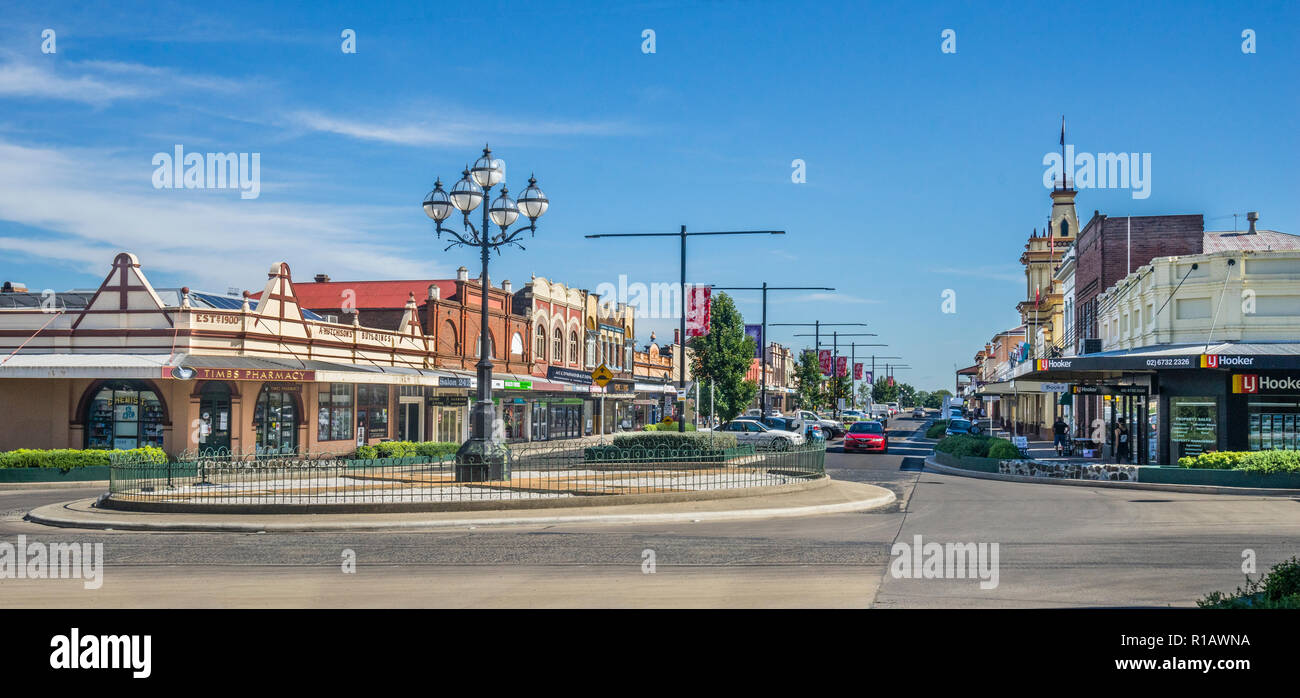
(763, 342)
(835, 340)
(682, 234)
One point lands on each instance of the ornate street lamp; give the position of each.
(483, 456)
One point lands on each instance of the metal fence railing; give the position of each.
(535, 471)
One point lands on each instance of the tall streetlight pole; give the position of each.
(483, 456)
(762, 350)
(681, 365)
(835, 344)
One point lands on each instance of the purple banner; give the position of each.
(756, 331)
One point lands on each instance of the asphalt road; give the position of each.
(1058, 546)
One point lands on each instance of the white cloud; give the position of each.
(992, 273)
(207, 238)
(98, 83)
(447, 130)
(28, 80)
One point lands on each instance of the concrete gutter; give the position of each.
(53, 485)
(836, 497)
(934, 466)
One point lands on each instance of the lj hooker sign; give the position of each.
(243, 374)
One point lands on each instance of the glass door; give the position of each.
(410, 425)
(214, 417)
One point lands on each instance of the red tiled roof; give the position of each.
(1260, 241)
(368, 294)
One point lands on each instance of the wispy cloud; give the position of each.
(42, 82)
(829, 297)
(451, 130)
(93, 210)
(992, 273)
(99, 83)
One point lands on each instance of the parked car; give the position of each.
(750, 431)
(919, 413)
(866, 436)
(831, 428)
(961, 426)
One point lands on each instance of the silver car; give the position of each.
(749, 431)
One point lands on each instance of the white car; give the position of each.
(831, 427)
(748, 431)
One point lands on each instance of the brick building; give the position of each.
(1108, 248)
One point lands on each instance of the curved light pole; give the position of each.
(483, 456)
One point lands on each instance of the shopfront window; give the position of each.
(1193, 426)
(1274, 421)
(334, 416)
(372, 410)
(124, 415)
(515, 416)
(275, 419)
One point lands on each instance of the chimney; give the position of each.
(434, 292)
(322, 278)
(677, 336)
(507, 286)
(462, 274)
(1252, 217)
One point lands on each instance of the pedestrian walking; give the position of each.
(1121, 442)
(1060, 432)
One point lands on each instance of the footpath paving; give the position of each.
(833, 497)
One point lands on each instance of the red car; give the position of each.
(866, 436)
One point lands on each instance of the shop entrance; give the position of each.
(449, 424)
(214, 417)
(276, 421)
(410, 419)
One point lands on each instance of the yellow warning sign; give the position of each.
(602, 375)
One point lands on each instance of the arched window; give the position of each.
(1065, 228)
(573, 346)
(516, 344)
(539, 347)
(124, 415)
(448, 340)
(557, 352)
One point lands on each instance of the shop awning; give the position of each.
(247, 368)
(1010, 387)
(1224, 356)
(82, 365)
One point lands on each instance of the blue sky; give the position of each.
(924, 169)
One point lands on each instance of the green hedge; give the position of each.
(1280, 588)
(668, 427)
(936, 430)
(407, 449)
(965, 445)
(1250, 461)
(673, 439)
(65, 458)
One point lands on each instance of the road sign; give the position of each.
(601, 375)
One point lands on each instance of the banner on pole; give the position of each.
(698, 300)
(857, 372)
(756, 331)
(841, 366)
(824, 360)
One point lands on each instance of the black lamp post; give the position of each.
(483, 456)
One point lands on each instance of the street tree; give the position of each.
(722, 358)
(808, 381)
(882, 391)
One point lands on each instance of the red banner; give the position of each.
(857, 372)
(824, 360)
(841, 366)
(891, 381)
(699, 301)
